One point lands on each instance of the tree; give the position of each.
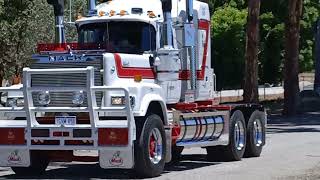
(23, 24)
(228, 46)
(14, 27)
(291, 64)
(250, 93)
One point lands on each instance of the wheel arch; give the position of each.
(158, 108)
(153, 103)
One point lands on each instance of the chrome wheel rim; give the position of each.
(155, 146)
(257, 132)
(239, 135)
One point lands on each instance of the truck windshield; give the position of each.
(120, 37)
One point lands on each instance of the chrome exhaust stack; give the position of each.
(190, 10)
(167, 24)
(192, 50)
(167, 56)
(58, 6)
(92, 8)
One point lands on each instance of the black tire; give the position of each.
(176, 154)
(254, 149)
(38, 165)
(143, 165)
(229, 152)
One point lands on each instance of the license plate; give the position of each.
(65, 120)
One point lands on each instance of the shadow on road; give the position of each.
(190, 161)
(308, 122)
(89, 171)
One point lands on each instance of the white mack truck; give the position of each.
(136, 88)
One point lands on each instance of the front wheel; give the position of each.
(237, 141)
(150, 146)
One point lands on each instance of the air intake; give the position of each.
(92, 8)
(58, 6)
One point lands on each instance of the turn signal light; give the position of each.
(137, 78)
(12, 136)
(113, 136)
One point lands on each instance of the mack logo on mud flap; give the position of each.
(116, 160)
(14, 157)
(66, 58)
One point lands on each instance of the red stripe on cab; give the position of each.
(130, 72)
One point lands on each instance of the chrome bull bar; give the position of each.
(92, 109)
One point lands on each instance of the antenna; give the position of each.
(70, 13)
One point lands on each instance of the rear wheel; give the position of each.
(256, 134)
(237, 141)
(150, 146)
(39, 162)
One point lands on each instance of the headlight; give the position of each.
(119, 100)
(44, 98)
(20, 102)
(78, 98)
(12, 102)
(15, 102)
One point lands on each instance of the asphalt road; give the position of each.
(292, 152)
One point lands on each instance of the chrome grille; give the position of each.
(67, 80)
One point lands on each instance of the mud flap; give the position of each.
(116, 158)
(14, 158)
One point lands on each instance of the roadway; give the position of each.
(292, 152)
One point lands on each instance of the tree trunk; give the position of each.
(317, 63)
(2, 69)
(291, 63)
(1, 80)
(250, 94)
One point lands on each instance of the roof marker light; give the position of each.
(102, 13)
(151, 14)
(137, 78)
(112, 13)
(123, 12)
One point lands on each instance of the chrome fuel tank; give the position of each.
(201, 128)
